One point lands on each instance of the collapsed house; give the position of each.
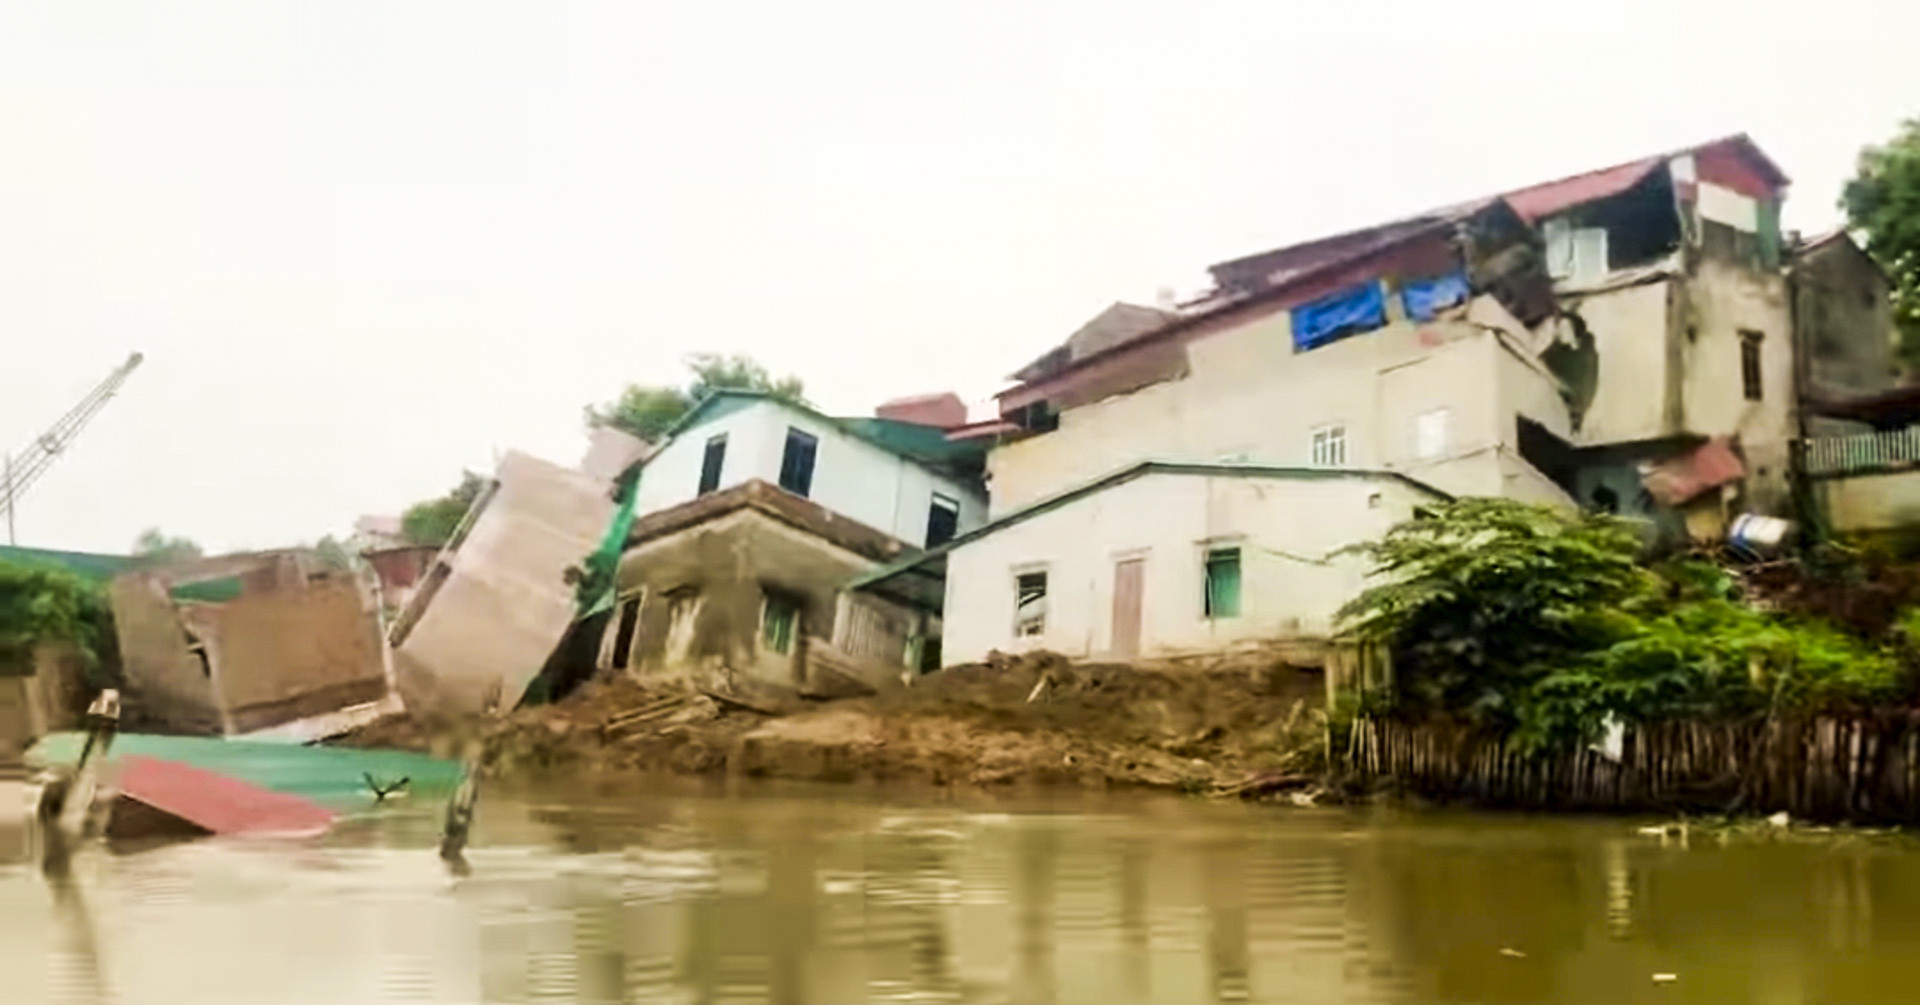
(268, 639)
(750, 517)
(1622, 340)
(498, 597)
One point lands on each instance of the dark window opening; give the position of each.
(1222, 596)
(1750, 383)
(779, 623)
(1606, 500)
(796, 463)
(943, 519)
(1038, 417)
(1030, 604)
(929, 654)
(623, 633)
(710, 465)
(1640, 225)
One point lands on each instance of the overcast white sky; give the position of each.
(365, 243)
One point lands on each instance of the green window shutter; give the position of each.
(776, 625)
(1223, 583)
(1769, 225)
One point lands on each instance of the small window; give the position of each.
(779, 618)
(1431, 432)
(796, 464)
(943, 519)
(1750, 365)
(1222, 597)
(710, 465)
(623, 632)
(1330, 445)
(1030, 604)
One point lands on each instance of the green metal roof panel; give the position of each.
(332, 776)
(99, 568)
(927, 444)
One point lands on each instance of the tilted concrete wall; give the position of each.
(166, 684)
(502, 602)
(290, 652)
(293, 644)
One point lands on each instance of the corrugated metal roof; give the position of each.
(1547, 198)
(333, 776)
(215, 802)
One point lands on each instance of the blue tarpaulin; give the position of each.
(1426, 298)
(1342, 313)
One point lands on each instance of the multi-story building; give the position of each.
(1623, 339)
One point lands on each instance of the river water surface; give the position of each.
(665, 894)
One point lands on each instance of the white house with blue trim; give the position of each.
(902, 479)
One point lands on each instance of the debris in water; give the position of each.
(213, 802)
(1665, 978)
(1780, 819)
(1512, 953)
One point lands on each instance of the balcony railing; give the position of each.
(1835, 456)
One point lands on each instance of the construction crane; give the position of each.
(25, 466)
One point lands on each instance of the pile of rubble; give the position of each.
(1237, 725)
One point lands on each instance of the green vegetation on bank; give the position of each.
(40, 603)
(1543, 624)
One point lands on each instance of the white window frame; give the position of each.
(1035, 626)
(1328, 445)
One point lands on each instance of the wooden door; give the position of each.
(1129, 578)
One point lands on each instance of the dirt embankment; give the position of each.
(1230, 724)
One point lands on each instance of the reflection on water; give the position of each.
(823, 896)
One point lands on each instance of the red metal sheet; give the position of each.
(1546, 199)
(1680, 479)
(216, 802)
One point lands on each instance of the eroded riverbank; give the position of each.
(1240, 723)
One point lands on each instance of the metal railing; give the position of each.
(1831, 456)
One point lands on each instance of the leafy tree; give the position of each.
(154, 546)
(649, 410)
(41, 603)
(432, 522)
(1883, 199)
(1474, 598)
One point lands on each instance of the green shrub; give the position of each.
(1542, 625)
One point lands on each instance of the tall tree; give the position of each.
(1883, 199)
(155, 546)
(649, 410)
(432, 522)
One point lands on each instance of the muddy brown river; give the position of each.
(669, 894)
